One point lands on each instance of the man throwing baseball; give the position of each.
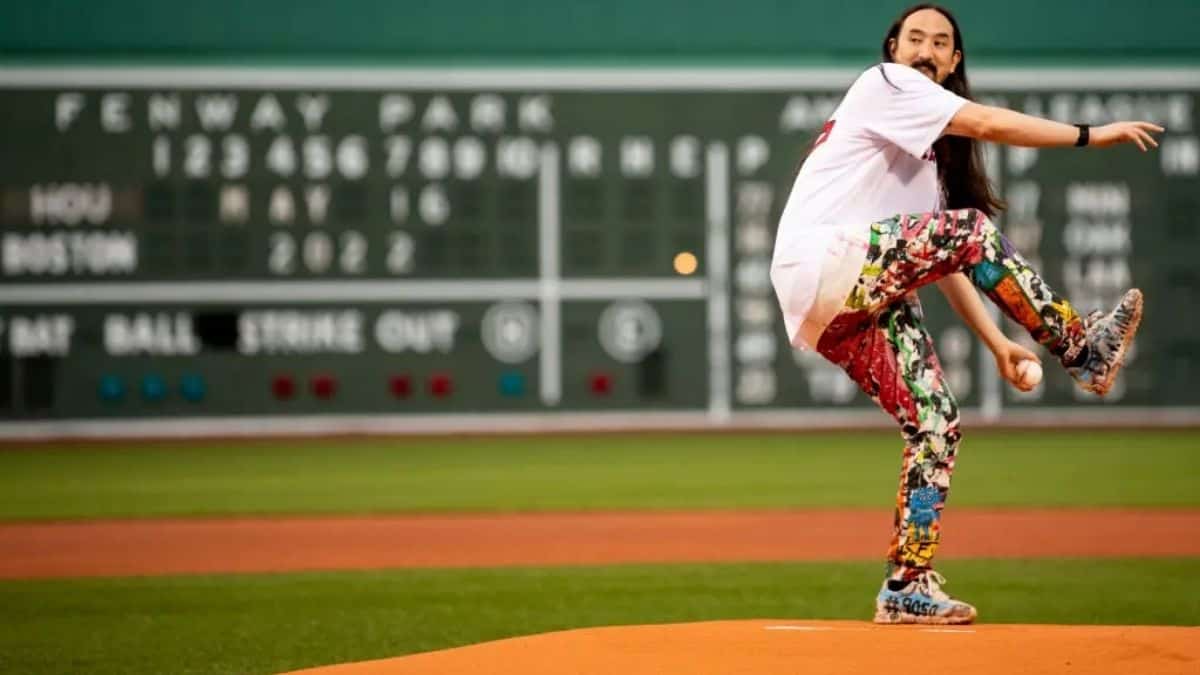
(893, 196)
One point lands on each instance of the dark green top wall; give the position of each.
(612, 31)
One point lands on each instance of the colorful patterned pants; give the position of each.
(880, 340)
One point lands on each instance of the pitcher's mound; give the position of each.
(813, 648)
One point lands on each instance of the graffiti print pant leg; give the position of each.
(890, 354)
(909, 251)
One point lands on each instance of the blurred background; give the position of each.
(393, 216)
(463, 228)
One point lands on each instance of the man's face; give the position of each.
(926, 43)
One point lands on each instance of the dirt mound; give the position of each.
(813, 648)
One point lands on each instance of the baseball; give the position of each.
(1029, 373)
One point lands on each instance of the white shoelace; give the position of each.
(933, 586)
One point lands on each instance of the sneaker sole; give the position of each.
(896, 619)
(1134, 323)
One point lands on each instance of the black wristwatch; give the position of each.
(1083, 135)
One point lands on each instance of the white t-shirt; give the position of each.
(873, 160)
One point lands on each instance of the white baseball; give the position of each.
(1029, 373)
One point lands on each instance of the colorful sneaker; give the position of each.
(920, 600)
(1108, 336)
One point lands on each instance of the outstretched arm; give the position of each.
(965, 302)
(1000, 125)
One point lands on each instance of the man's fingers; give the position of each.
(1010, 374)
(1138, 133)
(1009, 371)
(1004, 368)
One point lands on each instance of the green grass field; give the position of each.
(270, 623)
(996, 468)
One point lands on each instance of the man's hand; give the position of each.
(1124, 132)
(1008, 354)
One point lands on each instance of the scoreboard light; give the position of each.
(192, 387)
(512, 384)
(400, 386)
(600, 384)
(441, 385)
(154, 388)
(323, 386)
(112, 388)
(685, 263)
(283, 387)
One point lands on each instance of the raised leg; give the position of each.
(910, 251)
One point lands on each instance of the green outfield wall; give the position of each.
(216, 219)
(1022, 30)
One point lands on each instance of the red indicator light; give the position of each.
(283, 386)
(600, 384)
(441, 385)
(400, 386)
(324, 386)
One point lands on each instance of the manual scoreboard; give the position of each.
(200, 243)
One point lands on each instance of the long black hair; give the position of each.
(959, 158)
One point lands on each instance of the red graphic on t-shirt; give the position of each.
(824, 134)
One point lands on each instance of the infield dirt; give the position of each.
(155, 547)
